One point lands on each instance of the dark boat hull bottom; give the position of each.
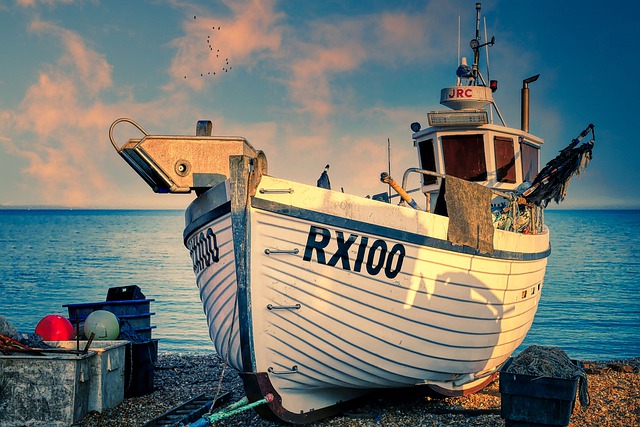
(258, 385)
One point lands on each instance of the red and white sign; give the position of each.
(466, 97)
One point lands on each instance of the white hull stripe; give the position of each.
(368, 228)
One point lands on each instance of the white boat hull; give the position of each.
(340, 295)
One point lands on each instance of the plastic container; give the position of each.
(50, 390)
(140, 366)
(107, 371)
(134, 315)
(122, 293)
(533, 401)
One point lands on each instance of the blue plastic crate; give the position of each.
(134, 316)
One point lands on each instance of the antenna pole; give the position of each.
(389, 162)
(476, 51)
(478, 7)
(458, 58)
(486, 51)
(486, 47)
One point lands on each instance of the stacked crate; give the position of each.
(132, 309)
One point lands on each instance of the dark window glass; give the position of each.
(464, 157)
(530, 166)
(427, 160)
(505, 159)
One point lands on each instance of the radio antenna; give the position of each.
(486, 51)
(486, 46)
(475, 43)
(458, 58)
(389, 162)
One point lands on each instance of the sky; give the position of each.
(308, 82)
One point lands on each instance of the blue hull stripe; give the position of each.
(212, 215)
(362, 227)
(368, 228)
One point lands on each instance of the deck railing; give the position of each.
(517, 216)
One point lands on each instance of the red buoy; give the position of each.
(55, 328)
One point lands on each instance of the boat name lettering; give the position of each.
(203, 248)
(461, 93)
(376, 257)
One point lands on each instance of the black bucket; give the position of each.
(534, 401)
(139, 373)
(125, 293)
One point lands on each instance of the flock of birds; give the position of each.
(226, 67)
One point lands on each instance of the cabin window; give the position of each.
(464, 157)
(530, 165)
(427, 160)
(505, 159)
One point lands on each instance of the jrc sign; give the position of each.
(464, 97)
(460, 92)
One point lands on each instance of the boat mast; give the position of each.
(478, 79)
(475, 43)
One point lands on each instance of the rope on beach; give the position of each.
(550, 362)
(233, 409)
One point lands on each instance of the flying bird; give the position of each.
(218, 64)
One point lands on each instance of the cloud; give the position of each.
(34, 3)
(54, 127)
(315, 58)
(59, 130)
(387, 41)
(401, 37)
(310, 85)
(213, 45)
(254, 29)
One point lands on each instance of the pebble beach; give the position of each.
(614, 390)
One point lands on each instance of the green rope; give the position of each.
(233, 409)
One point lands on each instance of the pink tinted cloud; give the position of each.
(358, 159)
(423, 35)
(89, 66)
(33, 3)
(401, 36)
(310, 85)
(255, 29)
(58, 142)
(325, 51)
(212, 45)
(328, 50)
(54, 125)
(59, 130)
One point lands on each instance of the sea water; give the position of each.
(55, 257)
(590, 304)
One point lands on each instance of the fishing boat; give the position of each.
(318, 297)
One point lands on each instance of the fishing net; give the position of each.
(552, 181)
(544, 362)
(518, 218)
(550, 184)
(550, 362)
